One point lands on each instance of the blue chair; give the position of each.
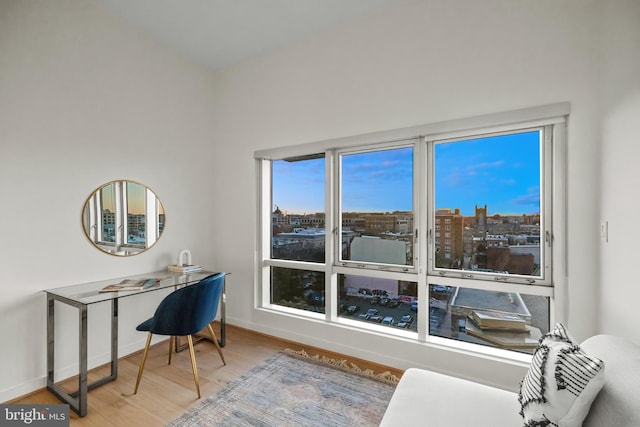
(183, 313)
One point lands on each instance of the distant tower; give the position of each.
(278, 218)
(481, 220)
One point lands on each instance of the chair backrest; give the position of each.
(189, 309)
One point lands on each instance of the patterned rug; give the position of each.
(294, 389)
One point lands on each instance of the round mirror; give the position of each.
(123, 218)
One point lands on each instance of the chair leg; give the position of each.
(193, 364)
(171, 338)
(144, 359)
(215, 342)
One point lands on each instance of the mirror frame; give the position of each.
(109, 224)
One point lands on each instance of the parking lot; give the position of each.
(382, 311)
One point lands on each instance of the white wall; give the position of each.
(85, 100)
(422, 63)
(619, 290)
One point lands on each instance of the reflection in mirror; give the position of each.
(123, 218)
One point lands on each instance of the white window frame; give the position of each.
(414, 143)
(546, 189)
(553, 117)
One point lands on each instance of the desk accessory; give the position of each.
(184, 263)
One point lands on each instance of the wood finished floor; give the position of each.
(168, 391)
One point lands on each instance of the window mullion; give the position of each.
(331, 284)
(151, 216)
(421, 210)
(119, 208)
(264, 199)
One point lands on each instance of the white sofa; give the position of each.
(426, 398)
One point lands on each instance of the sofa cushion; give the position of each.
(425, 398)
(561, 382)
(618, 403)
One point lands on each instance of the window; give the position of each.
(297, 230)
(376, 190)
(452, 313)
(297, 194)
(136, 214)
(378, 301)
(107, 199)
(493, 190)
(458, 222)
(299, 289)
(494, 183)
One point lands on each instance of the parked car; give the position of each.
(388, 321)
(393, 302)
(414, 306)
(364, 316)
(372, 312)
(374, 300)
(439, 289)
(403, 325)
(316, 298)
(406, 318)
(353, 308)
(376, 318)
(384, 301)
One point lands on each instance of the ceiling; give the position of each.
(221, 33)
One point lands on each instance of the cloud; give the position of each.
(532, 197)
(469, 175)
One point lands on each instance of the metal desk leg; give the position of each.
(78, 400)
(50, 339)
(82, 380)
(114, 338)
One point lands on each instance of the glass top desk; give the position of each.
(81, 296)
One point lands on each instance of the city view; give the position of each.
(377, 226)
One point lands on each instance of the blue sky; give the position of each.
(298, 187)
(502, 172)
(378, 181)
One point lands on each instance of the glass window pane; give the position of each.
(161, 217)
(388, 302)
(297, 195)
(377, 206)
(108, 209)
(488, 204)
(301, 289)
(506, 320)
(136, 219)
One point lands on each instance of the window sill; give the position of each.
(409, 337)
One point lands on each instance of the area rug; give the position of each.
(294, 389)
